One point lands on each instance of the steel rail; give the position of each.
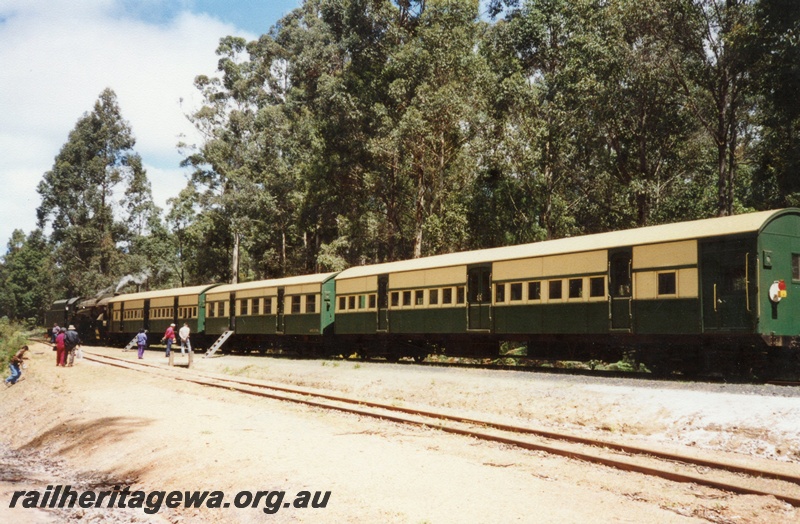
(258, 387)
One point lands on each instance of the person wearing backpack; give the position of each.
(71, 341)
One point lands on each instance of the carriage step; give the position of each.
(218, 344)
(132, 344)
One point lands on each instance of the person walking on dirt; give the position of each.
(183, 333)
(71, 342)
(54, 333)
(16, 366)
(61, 352)
(169, 337)
(141, 342)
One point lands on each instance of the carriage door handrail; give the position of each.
(747, 281)
(715, 297)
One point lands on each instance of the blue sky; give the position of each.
(57, 56)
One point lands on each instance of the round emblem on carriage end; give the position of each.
(777, 291)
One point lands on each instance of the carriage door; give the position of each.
(620, 287)
(145, 315)
(383, 303)
(479, 298)
(280, 310)
(232, 312)
(728, 284)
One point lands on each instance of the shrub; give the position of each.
(12, 337)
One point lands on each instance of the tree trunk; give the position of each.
(419, 217)
(235, 263)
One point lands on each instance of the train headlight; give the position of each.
(777, 291)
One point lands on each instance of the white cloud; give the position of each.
(56, 57)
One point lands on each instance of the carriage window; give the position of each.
(433, 296)
(534, 290)
(795, 266)
(666, 283)
(597, 287)
(221, 311)
(460, 295)
(351, 302)
(342, 303)
(311, 303)
(268, 306)
(362, 301)
(447, 295)
(295, 304)
(395, 299)
(555, 289)
(257, 306)
(516, 291)
(406, 298)
(373, 301)
(576, 288)
(243, 309)
(419, 297)
(500, 293)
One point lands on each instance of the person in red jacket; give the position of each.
(169, 337)
(61, 351)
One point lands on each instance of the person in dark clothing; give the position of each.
(71, 342)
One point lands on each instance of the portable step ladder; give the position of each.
(218, 344)
(132, 344)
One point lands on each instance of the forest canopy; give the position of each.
(364, 131)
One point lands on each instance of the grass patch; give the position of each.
(246, 371)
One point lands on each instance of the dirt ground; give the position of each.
(95, 427)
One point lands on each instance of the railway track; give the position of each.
(777, 480)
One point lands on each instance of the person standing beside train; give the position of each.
(54, 333)
(61, 352)
(183, 333)
(71, 342)
(141, 342)
(169, 338)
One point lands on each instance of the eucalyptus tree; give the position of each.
(139, 208)
(27, 278)
(224, 164)
(635, 130)
(776, 57)
(435, 108)
(78, 197)
(312, 133)
(181, 215)
(707, 45)
(538, 104)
